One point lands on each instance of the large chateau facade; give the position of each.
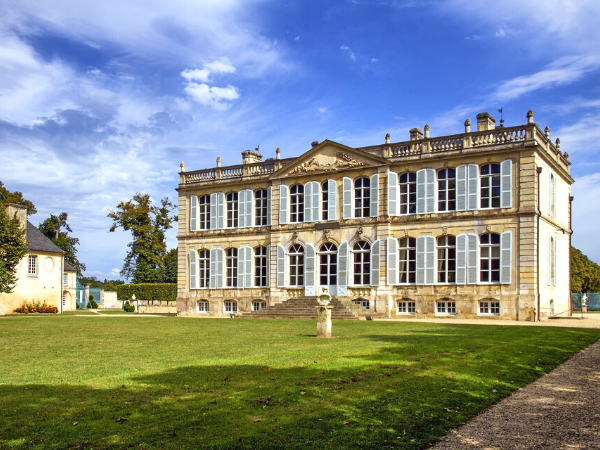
(476, 224)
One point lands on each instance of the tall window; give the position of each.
(489, 178)
(204, 208)
(362, 263)
(325, 200)
(203, 268)
(447, 190)
(260, 266)
(231, 264)
(297, 203)
(232, 210)
(296, 255)
(328, 264)
(408, 193)
(362, 197)
(260, 207)
(407, 253)
(32, 268)
(489, 258)
(446, 250)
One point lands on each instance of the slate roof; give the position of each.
(69, 267)
(36, 241)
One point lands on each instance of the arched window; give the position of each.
(408, 193)
(260, 266)
(232, 210)
(362, 197)
(446, 258)
(203, 268)
(407, 255)
(231, 265)
(361, 253)
(202, 306)
(204, 210)
(446, 190)
(325, 200)
(296, 257)
(260, 207)
(328, 264)
(489, 180)
(297, 203)
(489, 258)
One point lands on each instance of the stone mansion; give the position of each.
(476, 224)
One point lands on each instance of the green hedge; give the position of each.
(147, 291)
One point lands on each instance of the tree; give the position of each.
(13, 247)
(51, 228)
(15, 197)
(585, 274)
(168, 273)
(145, 261)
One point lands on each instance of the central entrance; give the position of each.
(328, 265)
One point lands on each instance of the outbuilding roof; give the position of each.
(69, 267)
(36, 241)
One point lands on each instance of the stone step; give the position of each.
(305, 308)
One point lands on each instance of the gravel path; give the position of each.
(559, 411)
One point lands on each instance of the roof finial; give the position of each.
(426, 131)
(468, 125)
(218, 161)
(547, 131)
(278, 153)
(387, 138)
(530, 116)
(182, 165)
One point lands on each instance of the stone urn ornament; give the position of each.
(324, 314)
(324, 299)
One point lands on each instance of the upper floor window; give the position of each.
(325, 200)
(297, 203)
(231, 265)
(204, 212)
(203, 268)
(447, 190)
(489, 258)
(446, 258)
(260, 207)
(362, 197)
(407, 255)
(32, 268)
(328, 264)
(408, 193)
(296, 266)
(361, 253)
(260, 267)
(489, 181)
(232, 210)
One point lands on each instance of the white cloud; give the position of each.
(501, 33)
(297, 38)
(221, 65)
(196, 74)
(322, 110)
(374, 60)
(586, 214)
(474, 37)
(350, 53)
(214, 97)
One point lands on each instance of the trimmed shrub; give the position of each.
(147, 291)
(128, 307)
(93, 304)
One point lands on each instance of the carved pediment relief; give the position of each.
(327, 163)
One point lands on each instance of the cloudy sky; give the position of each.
(103, 99)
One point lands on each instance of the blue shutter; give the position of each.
(269, 214)
(392, 261)
(472, 187)
(461, 259)
(242, 209)
(374, 194)
(220, 210)
(549, 261)
(392, 178)
(472, 257)
(213, 268)
(506, 184)
(193, 269)
(347, 198)
(429, 260)
(213, 211)
(505, 257)
(375, 263)
(269, 265)
(281, 266)
(332, 199)
(429, 191)
(421, 191)
(343, 272)
(241, 259)
(248, 268)
(193, 213)
(283, 204)
(249, 207)
(421, 260)
(308, 198)
(461, 188)
(310, 272)
(220, 269)
(316, 202)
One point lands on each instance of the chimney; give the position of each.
(485, 122)
(19, 210)
(313, 144)
(251, 156)
(415, 134)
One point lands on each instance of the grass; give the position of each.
(116, 382)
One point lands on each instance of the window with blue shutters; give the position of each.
(261, 207)
(361, 263)
(331, 200)
(407, 259)
(297, 203)
(296, 265)
(392, 178)
(203, 269)
(193, 265)
(408, 193)
(446, 259)
(232, 210)
(193, 213)
(489, 181)
(489, 258)
(328, 264)
(204, 207)
(260, 267)
(446, 184)
(375, 263)
(362, 197)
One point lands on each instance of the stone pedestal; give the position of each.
(324, 321)
(584, 308)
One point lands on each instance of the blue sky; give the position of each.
(99, 100)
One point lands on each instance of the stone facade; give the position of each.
(468, 225)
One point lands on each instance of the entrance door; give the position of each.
(328, 267)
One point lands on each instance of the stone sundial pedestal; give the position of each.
(324, 314)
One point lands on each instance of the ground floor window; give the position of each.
(257, 304)
(444, 307)
(406, 307)
(364, 303)
(489, 308)
(231, 307)
(202, 307)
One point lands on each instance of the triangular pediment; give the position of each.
(329, 156)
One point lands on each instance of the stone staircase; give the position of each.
(305, 308)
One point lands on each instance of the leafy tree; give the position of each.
(168, 273)
(15, 197)
(111, 285)
(585, 274)
(145, 261)
(92, 281)
(13, 247)
(51, 227)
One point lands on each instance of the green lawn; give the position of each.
(119, 382)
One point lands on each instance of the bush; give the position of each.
(93, 304)
(77, 306)
(147, 291)
(128, 307)
(36, 307)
